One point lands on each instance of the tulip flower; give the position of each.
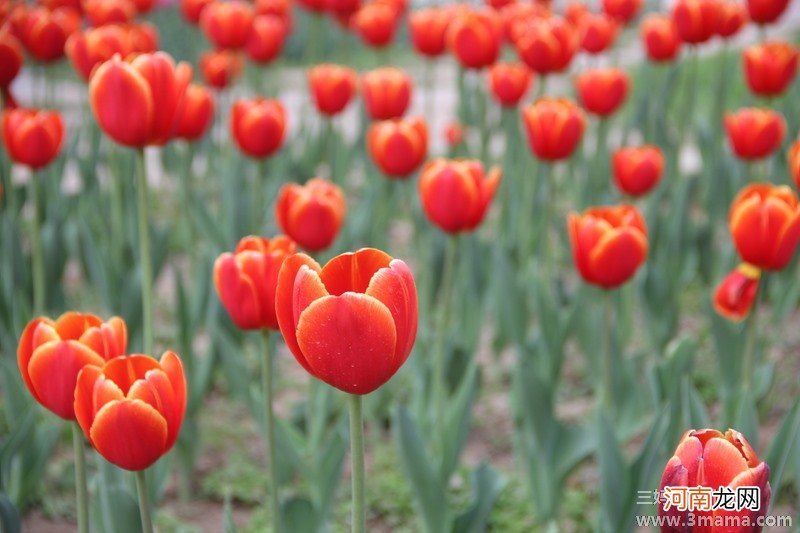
(220, 68)
(245, 280)
(609, 244)
(509, 82)
(764, 221)
(755, 133)
(731, 18)
(455, 194)
(89, 48)
(637, 170)
(136, 103)
(660, 37)
(386, 93)
(602, 90)
(770, 68)
(10, 57)
(266, 39)
(734, 297)
(52, 353)
(622, 10)
(144, 6)
(766, 11)
(428, 28)
(548, 44)
(342, 9)
(258, 126)
(376, 24)
(575, 12)
(474, 37)
(597, 33)
(103, 12)
(227, 24)
(193, 9)
(708, 458)
(696, 20)
(195, 113)
(45, 32)
(351, 323)
(793, 157)
(398, 147)
(143, 38)
(554, 128)
(311, 214)
(33, 137)
(518, 17)
(332, 87)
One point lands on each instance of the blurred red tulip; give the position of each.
(597, 33)
(315, 6)
(33, 137)
(755, 133)
(258, 126)
(143, 38)
(707, 458)
(637, 170)
(770, 68)
(547, 45)
(277, 8)
(221, 68)
(136, 103)
(428, 28)
(735, 295)
(455, 194)
(89, 48)
(132, 408)
(623, 11)
(609, 244)
(376, 24)
(312, 214)
(509, 82)
(10, 57)
(227, 24)
(766, 11)
(17, 18)
(660, 37)
(453, 134)
(764, 222)
(45, 32)
(333, 87)
(474, 36)
(554, 127)
(731, 18)
(193, 9)
(144, 6)
(602, 90)
(266, 38)
(103, 12)
(351, 323)
(195, 113)
(499, 4)
(516, 19)
(342, 8)
(398, 147)
(696, 20)
(52, 353)
(575, 12)
(51, 5)
(246, 279)
(386, 92)
(793, 157)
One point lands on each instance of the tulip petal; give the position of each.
(84, 396)
(156, 390)
(617, 256)
(353, 271)
(285, 298)
(395, 288)
(27, 343)
(130, 434)
(125, 370)
(721, 463)
(173, 367)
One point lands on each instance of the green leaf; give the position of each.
(614, 477)
(487, 484)
(785, 442)
(458, 422)
(9, 516)
(298, 514)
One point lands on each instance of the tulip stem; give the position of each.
(357, 464)
(607, 396)
(446, 294)
(37, 261)
(749, 360)
(144, 502)
(267, 382)
(144, 253)
(80, 479)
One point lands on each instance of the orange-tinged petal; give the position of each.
(285, 298)
(122, 102)
(125, 370)
(156, 390)
(353, 271)
(130, 434)
(721, 463)
(617, 256)
(237, 292)
(72, 325)
(83, 403)
(395, 288)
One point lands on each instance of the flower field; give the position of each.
(372, 265)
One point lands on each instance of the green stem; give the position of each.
(37, 259)
(144, 253)
(267, 383)
(80, 479)
(330, 147)
(446, 295)
(357, 463)
(144, 502)
(607, 394)
(751, 341)
(547, 253)
(188, 159)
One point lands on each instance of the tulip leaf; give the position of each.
(299, 514)
(228, 525)
(328, 467)
(487, 484)
(458, 422)
(9, 516)
(785, 442)
(614, 477)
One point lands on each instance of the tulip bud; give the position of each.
(376, 24)
(87, 49)
(554, 128)
(731, 18)
(333, 87)
(660, 36)
(622, 10)
(597, 33)
(386, 92)
(453, 134)
(398, 146)
(735, 295)
(755, 133)
(766, 11)
(33, 137)
(696, 20)
(45, 32)
(793, 157)
(770, 68)
(427, 28)
(227, 24)
(547, 45)
(196, 113)
(602, 90)
(103, 12)
(637, 170)
(221, 68)
(258, 126)
(10, 57)
(474, 37)
(311, 214)
(509, 82)
(193, 9)
(266, 38)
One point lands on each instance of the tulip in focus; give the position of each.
(735, 295)
(637, 170)
(766, 11)
(603, 90)
(312, 214)
(597, 33)
(258, 126)
(332, 87)
(696, 20)
(554, 128)
(52, 353)
(427, 28)
(245, 280)
(609, 244)
(547, 45)
(32, 137)
(474, 36)
(132, 408)
(622, 10)
(227, 24)
(770, 68)
(221, 68)
(398, 147)
(351, 323)
(196, 112)
(386, 92)
(509, 82)
(376, 24)
(755, 133)
(660, 37)
(266, 39)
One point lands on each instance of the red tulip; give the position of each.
(547, 45)
(332, 87)
(518, 17)
(597, 33)
(428, 28)
(342, 9)
(143, 38)
(132, 408)
(351, 323)
(453, 134)
(398, 147)
(793, 157)
(10, 57)
(554, 127)
(766, 11)
(227, 24)
(603, 90)
(246, 280)
(474, 37)
(696, 20)
(136, 103)
(770, 68)
(221, 68)
(575, 12)
(195, 114)
(311, 214)
(45, 32)
(144, 6)
(637, 170)
(764, 222)
(376, 24)
(731, 18)
(52, 353)
(89, 48)
(386, 92)
(33, 137)
(193, 9)
(315, 6)
(266, 38)
(660, 37)
(103, 12)
(707, 458)
(734, 297)
(277, 8)
(609, 244)
(258, 126)
(52, 5)
(622, 10)
(455, 194)
(509, 82)
(755, 133)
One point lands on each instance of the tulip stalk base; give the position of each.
(144, 253)
(144, 502)
(82, 499)
(751, 341)
(267, 382)
(37, 260)
(439, 388)
(357, 464)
